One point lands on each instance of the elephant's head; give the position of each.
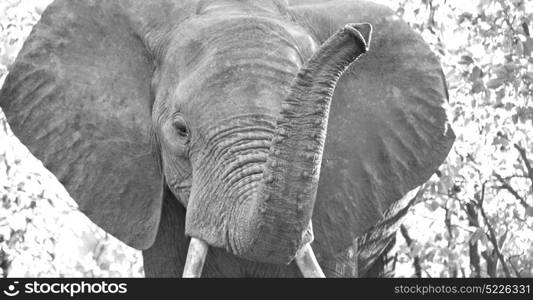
(240, 141)
(225, 104)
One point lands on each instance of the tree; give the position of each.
(479, 203)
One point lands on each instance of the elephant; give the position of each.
(235, 138)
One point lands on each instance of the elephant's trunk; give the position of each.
(277, 222)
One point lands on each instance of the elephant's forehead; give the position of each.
(220, 39)
(232, 6)
(247, 93)
(239, 64)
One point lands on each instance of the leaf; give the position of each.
(455, 232)
(524, 114)
(510, 67)
(438, 237)
(501, 71)
(500, 94)
(466, 60)
(484, 239)
(477, 87)
(500, 141)
(433, 205)
(477, 83)
(477, 73)
(495, 83)
(529, 211)
(463, 17)
(476, 236)
(519, 49)
(528, 46)
(502, 239)
(529, 75)
(416, 248)
(430, 254)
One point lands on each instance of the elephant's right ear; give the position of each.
(79, 97)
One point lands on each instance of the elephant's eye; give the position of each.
(181, 127)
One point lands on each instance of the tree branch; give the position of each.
(492, 234)
(416, 259)
(523, 155)
(511, 190)
(473, 247)
(448, 223)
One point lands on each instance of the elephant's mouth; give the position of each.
(197, 253)
(272, 220)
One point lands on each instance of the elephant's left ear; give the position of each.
(389, 132)
(78, 96)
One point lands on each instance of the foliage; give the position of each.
(475, 217)
(479, 206)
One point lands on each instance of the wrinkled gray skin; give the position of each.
(234, 99)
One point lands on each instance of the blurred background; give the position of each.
(474, 219)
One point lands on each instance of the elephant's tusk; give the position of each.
(307, 263)
(195, 258)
